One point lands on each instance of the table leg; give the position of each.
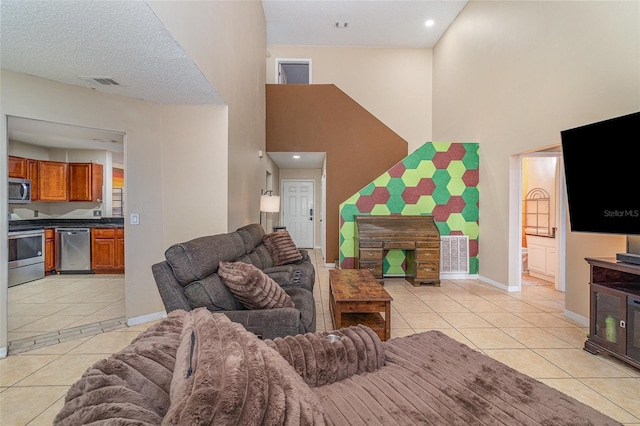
(387, 320)
(337, 316)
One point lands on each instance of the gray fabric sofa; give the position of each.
(187, 279)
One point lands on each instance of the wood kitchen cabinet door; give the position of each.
(119, 264)
(32, 173)
(103, 249)
(107, 257)
(17, 167)
(52, 181)
(85, 182)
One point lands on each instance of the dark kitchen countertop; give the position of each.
(29, 224)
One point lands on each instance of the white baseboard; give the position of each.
(131, 322)
(457, 276)
(330, 265)
(584, 321)
(508, 289)
(3, 352)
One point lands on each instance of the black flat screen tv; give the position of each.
(602, 174)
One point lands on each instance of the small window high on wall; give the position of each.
(293, 71)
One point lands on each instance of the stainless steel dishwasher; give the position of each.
(73, 252)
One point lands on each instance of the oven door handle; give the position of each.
(15, 237)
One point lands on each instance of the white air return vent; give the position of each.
(103, 81)
(454, 253)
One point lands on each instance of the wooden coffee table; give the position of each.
(355, 297)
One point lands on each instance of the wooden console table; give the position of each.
(418, 236)
(614, 317)
(355, 297)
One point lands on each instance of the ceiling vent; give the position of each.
(103, 81)
(341, 24)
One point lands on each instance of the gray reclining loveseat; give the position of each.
(188, 279)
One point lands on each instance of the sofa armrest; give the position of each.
(268, 323)
(320, 361)
(304, 253)
(171, 292)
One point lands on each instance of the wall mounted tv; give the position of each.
(602, 174)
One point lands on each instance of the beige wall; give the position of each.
(511, 76)
(194, 180)
(392, 84)
(316, 176)
(227, 41)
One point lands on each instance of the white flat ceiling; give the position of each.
(374, 23)
(307, 160)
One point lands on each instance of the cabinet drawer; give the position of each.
(103, 232)
(427, 269)
(49, 233)
(433, 244)
(374, 267)
(399, 245)
(120, 232)
(367, 253)
(428, 254)
(366, 244)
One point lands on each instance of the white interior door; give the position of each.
(298, 211)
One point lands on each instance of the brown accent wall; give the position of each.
(322, 118)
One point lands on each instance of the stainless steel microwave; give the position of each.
(19, 191)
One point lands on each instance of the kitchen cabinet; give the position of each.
(32, 174)
(107, 250)
(49, 250)
(542, 257)
(52, 181)
(85, 182)
(120, 248)
(17, 167)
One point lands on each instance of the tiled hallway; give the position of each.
(526, 331)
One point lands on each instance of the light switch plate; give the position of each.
(135, 219)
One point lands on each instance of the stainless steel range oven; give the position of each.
(26, 256)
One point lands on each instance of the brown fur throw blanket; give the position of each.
(132, 386)
(320, 362)
(431, 379)
(225, 375)
(198, 367)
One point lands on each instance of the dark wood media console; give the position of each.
(418, 236)
(614, 317)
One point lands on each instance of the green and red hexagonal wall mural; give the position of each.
(438, 179)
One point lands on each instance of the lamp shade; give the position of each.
(270, 203)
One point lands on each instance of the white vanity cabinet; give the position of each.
(542, 257)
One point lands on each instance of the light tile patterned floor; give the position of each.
(58, 308)
(526, 331)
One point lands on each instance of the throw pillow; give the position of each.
(225, 375)
(319, 361)
(252, 287)
(282, 248)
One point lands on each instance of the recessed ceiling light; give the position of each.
(429, 23)
(296, 156)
